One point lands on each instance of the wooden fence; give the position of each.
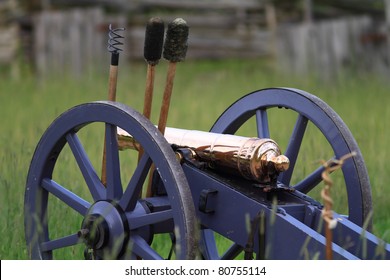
(218, 29)
(73, 41)
(326, 47)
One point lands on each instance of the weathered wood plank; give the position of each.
(212, 43)
(208, 20)
(8, 43)
(204, 4)
(325, 47)
(72, 41)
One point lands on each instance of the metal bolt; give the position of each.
(83, 232)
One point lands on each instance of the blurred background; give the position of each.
(298, 35)
(53, 55)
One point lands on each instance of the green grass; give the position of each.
(202, 91)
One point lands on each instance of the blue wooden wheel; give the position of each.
(309, 110)
(113, 222)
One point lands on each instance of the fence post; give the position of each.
(387, 18)
(308, 11)
(272, 25)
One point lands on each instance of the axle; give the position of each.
(252, 158)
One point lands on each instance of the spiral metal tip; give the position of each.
(113, 39)
(175, 46)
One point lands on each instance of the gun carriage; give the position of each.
(204, 186)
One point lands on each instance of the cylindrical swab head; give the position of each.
(175, 46)
(154, 40)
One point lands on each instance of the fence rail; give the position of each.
(218, 28)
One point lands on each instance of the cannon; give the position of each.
(214, 195)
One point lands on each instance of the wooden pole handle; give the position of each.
(162, 123)
(112, 82)
(148, 99)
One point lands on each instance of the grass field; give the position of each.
(203, 90)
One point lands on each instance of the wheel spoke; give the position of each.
(311, 181)
(149, 219)
(293, 148)
(142, 249)
(262, 124)
(208, 245)
(113, 183)
(232, 252)
(91, 178)
(62, 242)
(131, 194)
(69, 198)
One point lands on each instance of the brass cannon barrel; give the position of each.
(252, 158)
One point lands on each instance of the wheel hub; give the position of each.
(105, 230)
(94, 231)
